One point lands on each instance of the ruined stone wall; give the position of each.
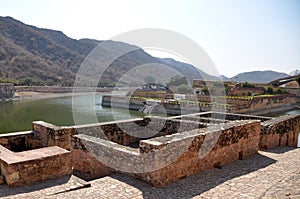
(20, 141)
(58, 89)
(34, 165)
(268, 104)
(224, 116)
(50, 135)
(236, 141)
(127, 132)
(85, 164)
(124, 133)
(282, 131)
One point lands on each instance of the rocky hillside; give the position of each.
(31, 55)
(256, 76)
(259, 76)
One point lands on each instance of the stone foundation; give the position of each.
(282, 131)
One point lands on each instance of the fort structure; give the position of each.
(254, 105)
(158, 150)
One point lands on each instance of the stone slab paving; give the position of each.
(269, 174)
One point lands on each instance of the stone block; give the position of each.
(34, 165)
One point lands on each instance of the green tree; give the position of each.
(149, 79)
(298, 79)
(270, 90)
(184, 89)
(176, 81)
(248, 85)
(27, 81)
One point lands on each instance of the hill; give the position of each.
(35, 56)
(187, 69)
(32, 55)
(258, 76)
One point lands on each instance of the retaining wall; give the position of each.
(282, 131)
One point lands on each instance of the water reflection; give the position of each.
(18, 115)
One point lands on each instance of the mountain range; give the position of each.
(256, 76)
(32, 55)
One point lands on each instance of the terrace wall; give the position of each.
(237, 140)
(124, 133)
(282, 131)
(34, 165)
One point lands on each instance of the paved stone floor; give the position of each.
(269, 174)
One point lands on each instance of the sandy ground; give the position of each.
(37, 95)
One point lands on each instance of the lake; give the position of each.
(18, 115)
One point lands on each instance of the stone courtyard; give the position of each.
(274, 173)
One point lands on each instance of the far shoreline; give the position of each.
(28, 95)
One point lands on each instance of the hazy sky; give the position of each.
(239, 36)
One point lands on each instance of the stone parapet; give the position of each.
(34, 165)
(52, 135)
(19, 141)
(281, 131)
(166, 159)
(237, 140)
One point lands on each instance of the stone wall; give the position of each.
(34, 165)
(267, 105)
(150, 163)
(210, 115)
(58, 89)
(50, 135)
(19, 141)
(127, 132)
(85, 164)
(124, 133)
(282, 131)
(236, 141)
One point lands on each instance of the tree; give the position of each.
(27, 81)
(298, 80)
(149, 79)
(176, 81)
(270, 90)
(184, 89)
(248, 85)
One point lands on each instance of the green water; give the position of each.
(293, 112)
(18, 115)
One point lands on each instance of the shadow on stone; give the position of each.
(5, 190)
(279, 150)
(201, 182)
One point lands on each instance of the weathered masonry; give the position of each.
(158, 150)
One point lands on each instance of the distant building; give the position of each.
(153, 91)
(6, 90)
(247, 91)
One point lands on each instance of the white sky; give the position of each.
(238, 35)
